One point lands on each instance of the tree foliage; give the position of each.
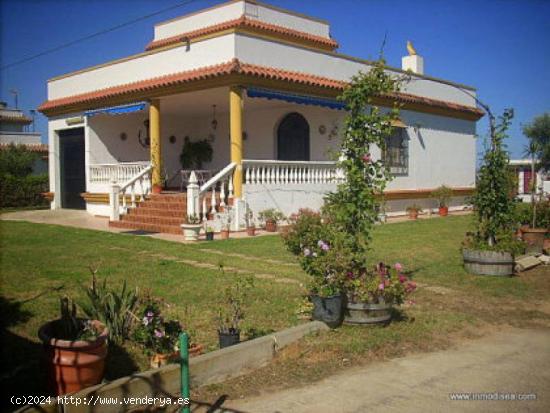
(538, 133)
(353, 207)
(493, 200)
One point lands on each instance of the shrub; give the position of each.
(18, 187)
(230, 312)
(16, 191)
(113, 308)
(523, 214)
(154, 333)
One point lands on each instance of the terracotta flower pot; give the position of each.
(271, 225)
(413, 214)
(251, 231)
(443, 211)
(158, 359)
(73, 365)
(224, 234)
(534, 237)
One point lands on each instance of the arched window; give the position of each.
(293, 138)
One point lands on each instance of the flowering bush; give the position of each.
(384, 283)
(332, 246)
(154, 333)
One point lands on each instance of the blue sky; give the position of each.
(502, 47)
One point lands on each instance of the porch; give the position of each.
(265, 151)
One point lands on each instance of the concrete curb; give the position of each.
(213, 367)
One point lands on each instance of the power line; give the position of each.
(88, 37)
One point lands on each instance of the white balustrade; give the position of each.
(128, 189)
(263, 172)
(196, 199)
(117, 172)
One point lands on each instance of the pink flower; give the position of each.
(367, 158)
(398, 266)
(402, 278)
(381, 286)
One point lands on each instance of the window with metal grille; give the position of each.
(396, 155)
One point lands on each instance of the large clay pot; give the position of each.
(368, 313)
(443, 211)
(224, 234)
(251, 231)
(271, 225)
(413, 214)
(482, 262)
(73, 365)
(534, 237)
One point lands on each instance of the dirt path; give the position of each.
(513, 361)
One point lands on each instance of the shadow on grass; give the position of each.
(20, 360)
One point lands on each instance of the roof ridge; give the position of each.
(241, 22)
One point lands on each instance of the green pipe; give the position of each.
(184, 362)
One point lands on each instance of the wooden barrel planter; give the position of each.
(495, 263)
(534, 237)
(368, 313)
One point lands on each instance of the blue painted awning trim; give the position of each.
(117, 110)
(292, 98)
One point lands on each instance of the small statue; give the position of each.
(410, 48)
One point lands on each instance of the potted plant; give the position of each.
(250, 226)
(192, 228)
(194, 154)
(271, 218)
(313, 242)
(225, 218)
(443, 194)
(159, 337)
(491, 248)
(413, 211)
(209, 233)
(534, 219)
(370, 299)
(230, 312)
(75, 350)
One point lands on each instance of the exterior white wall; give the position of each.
(180, 59)
(231, 11)
(286, 198)
(287, 57)
(19, 137)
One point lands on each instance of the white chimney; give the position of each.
(413, 61)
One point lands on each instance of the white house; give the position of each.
(524, 175)
(14, 129)
(260, 84)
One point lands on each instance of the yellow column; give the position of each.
(236, 133)
(156, 151)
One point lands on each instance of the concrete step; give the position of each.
(154, 219)
(167, 229)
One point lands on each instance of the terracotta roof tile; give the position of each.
(15, 119)
(244, 22)
(237, 67)
(33, 147)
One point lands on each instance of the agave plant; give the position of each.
(113, 308)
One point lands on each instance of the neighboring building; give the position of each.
(14, 127)
(260, 84)
(523, 172)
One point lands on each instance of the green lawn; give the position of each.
(38, 263)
